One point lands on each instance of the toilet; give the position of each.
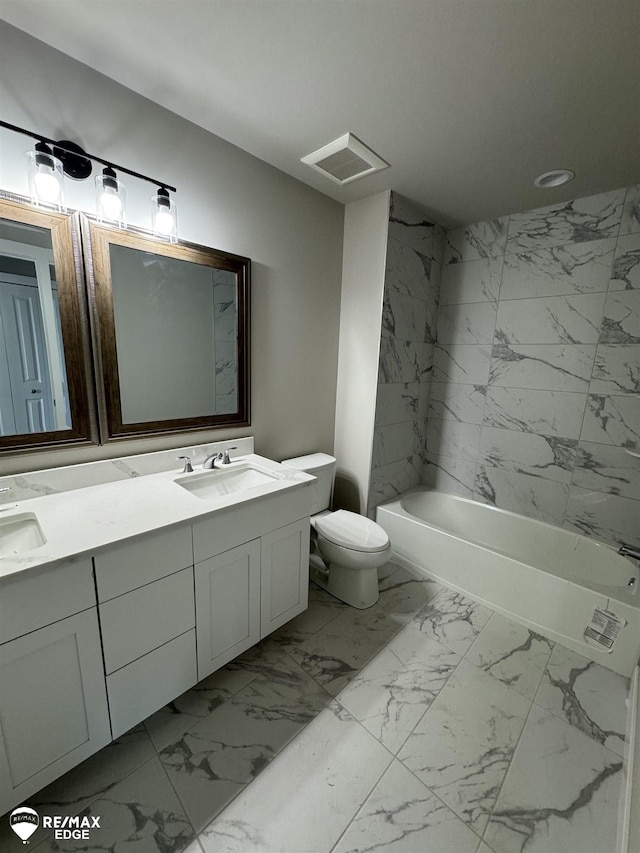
(347, 549)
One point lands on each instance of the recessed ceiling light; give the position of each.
(555, 178)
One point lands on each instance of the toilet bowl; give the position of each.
(347, 549)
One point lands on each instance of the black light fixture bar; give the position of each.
(77, 152)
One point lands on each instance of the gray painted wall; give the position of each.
(228, 200)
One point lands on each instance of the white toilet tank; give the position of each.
(322, 466)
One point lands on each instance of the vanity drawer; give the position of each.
(144, 686)
(142, 560)
(32, 599)
(138, 622)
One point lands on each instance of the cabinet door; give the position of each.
(53, 705)
(227, 606)
(285, 575)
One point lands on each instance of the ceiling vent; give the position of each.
(345, 159)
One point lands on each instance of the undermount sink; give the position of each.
(19, 533)
(217, 482)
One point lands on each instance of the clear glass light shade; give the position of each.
(111, 201)
(46, 180)
(164, 217)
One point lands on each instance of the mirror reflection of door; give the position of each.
(33, 385)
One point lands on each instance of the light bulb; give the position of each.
(111, 203)
(47, 185)
(164, 222)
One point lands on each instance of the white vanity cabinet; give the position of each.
(53, 704)
(147, 617)
(247, 589)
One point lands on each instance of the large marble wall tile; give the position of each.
(393, 442)
(449, 474)
(606, 468)
(400, 361)
(439, 243)
(394, 479)
(402, 815)
(471, 281)
(631, 213)
(616, 369)
(481, 240)
(462, 747)
(550, 320)
(555, 367)
(455, 401)
(462, 363)
(542, 456)
(453, 438)
(467, 323)
(556, 413)
(612, 419)
(588, 696)
(403, 317)
(424, 394)
(621, 323)
(626, 267)
(561, 792)
(561, 271)
(431, 318)
(406, 271)
(411, 225)
(610, 518)
(396, 402)
(577, 221)
(533, 497)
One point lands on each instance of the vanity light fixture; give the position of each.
(51, 160)
(111, 198)
(554, 178)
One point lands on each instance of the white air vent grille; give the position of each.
(345, 159)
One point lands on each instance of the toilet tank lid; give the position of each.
(310, 463)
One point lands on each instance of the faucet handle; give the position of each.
(225, 458)
(187, 464)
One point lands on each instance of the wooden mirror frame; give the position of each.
(67, 258)
(97, 239)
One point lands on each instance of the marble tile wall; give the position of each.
(535, 382)
(408, 333)
(225, 336)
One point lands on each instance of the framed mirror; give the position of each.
(46, 390)
(171, 333)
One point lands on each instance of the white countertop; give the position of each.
(86, 519)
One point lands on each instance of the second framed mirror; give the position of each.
(171, 333)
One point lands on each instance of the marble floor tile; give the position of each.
(171, 722)
(139, 815)
(462, 747)
(402, 816)
(560, 793)
(511, 653)
(308, 795)
(587, 695)
(81, 786)
(393, 691)
(218, 756)
(453, 620)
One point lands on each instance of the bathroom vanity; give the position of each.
(141, 588)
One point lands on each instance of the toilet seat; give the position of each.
(352, 531)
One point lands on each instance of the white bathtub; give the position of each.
(547, 578)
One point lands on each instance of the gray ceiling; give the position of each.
(468, 100)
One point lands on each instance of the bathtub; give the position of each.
(549, 579)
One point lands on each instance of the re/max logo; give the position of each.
(58, 822)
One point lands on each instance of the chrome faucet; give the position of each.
(629, 551)
(223, 458)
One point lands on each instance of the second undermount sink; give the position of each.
(20, 533)
(219, 482)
